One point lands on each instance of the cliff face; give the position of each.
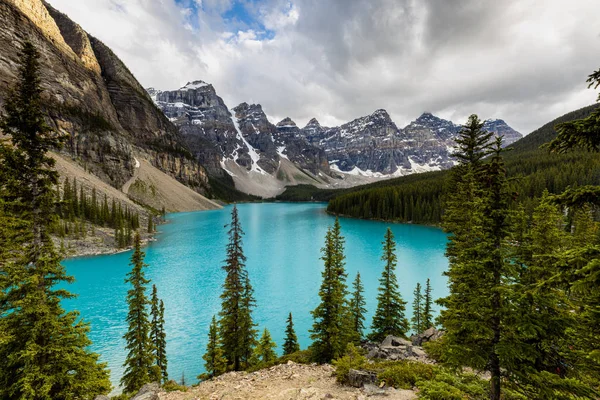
(92, 97)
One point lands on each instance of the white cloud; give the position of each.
(522, 60)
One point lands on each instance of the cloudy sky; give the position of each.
(525, 61)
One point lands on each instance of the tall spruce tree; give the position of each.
(357, 308)
(265, 348)
(291, 340)
(542, 339)
(215, 363)
(139, 360)
(476, 216)
(389, 318)
(331, 330)
(427, 317)
(418, 311)
(43, 349)
(158, 337)
(236, 327)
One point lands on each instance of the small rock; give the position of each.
(372, 390)
(358, 378)
(149, 391)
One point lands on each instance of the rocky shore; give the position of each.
(289, 381)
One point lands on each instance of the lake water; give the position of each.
(282, 244)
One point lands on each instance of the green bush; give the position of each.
(449, 386)
(172, 386)
(121, 396)
(406, 374)
(353, 359)
(299, 357)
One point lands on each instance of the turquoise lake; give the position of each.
(282, 243)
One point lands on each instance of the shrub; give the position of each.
(299, 357)
(353, 359)
(172, 386)
(449, 386)
(406, 374)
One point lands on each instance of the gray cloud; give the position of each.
(522, 60)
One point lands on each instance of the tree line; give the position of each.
(422, 198)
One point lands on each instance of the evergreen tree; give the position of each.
(247, 325)
(43, 349)
(265, 349)
(541, 328)
(389, 317)
(150, 224)
(214, 360)
(418, 310)
(236, 327)
(331, 329)
(138, 364)
(357, 308)
(158, 337)
(476, 217)
(472, 143)
(427, 317)
(291, 340)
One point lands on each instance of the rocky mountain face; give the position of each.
(92, 98)
(371, 146)
(224, 139)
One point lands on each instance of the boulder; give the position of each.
(149, 391)
(359, 379)
(101, 397)
(395, 341)
(429, 335)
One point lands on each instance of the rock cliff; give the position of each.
(92, 98)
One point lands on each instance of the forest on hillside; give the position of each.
(531, 169)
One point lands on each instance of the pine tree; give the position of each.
(43, 349)
(265, 349)
(158, 337)
(291, 340)
(215, 362)
(331, 329)
(476, 216)
(150, 224)
(235, 325)
(427, 317)
(389, 317)
(138, 364)
(357, 308)
(472, 143)
(418, 311)
(247, 326)
(542, 329)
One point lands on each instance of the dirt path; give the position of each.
(283, 382)
(136, 173)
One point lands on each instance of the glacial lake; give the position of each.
(282, 242)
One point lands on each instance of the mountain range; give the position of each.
(263, 157)
(120, 134)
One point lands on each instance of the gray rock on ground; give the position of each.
(429, 335)
(149, 391)
(359, 379)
